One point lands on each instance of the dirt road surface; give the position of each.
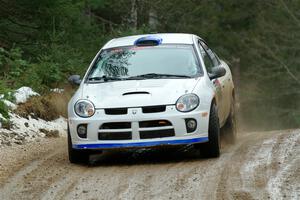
(260, 166)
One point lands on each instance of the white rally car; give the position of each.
(151, 90)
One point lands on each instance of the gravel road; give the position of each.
(262, 165)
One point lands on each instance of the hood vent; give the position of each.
(130, 93)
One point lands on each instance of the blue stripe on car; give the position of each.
(140, 144)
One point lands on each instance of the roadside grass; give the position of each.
(4, 110)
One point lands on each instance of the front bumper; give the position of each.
(134, 116)
(153, 143)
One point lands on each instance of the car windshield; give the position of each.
(163, 61)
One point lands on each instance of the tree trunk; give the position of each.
(153, 19)
(134, 14)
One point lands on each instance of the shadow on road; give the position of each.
(150, 156)
(145, 156)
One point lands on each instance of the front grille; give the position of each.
(116, 111)
(154, 123)
(157, 133)
(114, 136)
(153, 109)
(116, 125)
(146, 130)
(115, 131)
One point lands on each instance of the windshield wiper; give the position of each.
(104, 78)
(155, 75)
(138, 77)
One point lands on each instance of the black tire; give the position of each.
(211, 149)
(230, 130)
(77, 156)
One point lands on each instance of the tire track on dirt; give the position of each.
(256, 163)
(286, 163)
(33, 179)
(230, 179)
(259, 166)
(18, 181)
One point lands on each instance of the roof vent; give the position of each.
(148, 41)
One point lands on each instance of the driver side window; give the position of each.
(209, 58)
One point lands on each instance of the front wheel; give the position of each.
(75, 155)
(212, 147)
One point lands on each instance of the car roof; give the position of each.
(167, 38)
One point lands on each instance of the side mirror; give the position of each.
(74, 80)
(217, 72)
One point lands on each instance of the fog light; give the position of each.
(82, 130)
(191, 125)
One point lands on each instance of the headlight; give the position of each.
(187, 102)
(84, 108)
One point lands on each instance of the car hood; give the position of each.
(136, 93)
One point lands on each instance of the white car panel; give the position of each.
(108, 95)
(171, 114)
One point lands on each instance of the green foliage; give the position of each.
(4, 110)
(16, 63)
(47, 70)
(12, 66)
(7, 94)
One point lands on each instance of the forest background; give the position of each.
(43, 42)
